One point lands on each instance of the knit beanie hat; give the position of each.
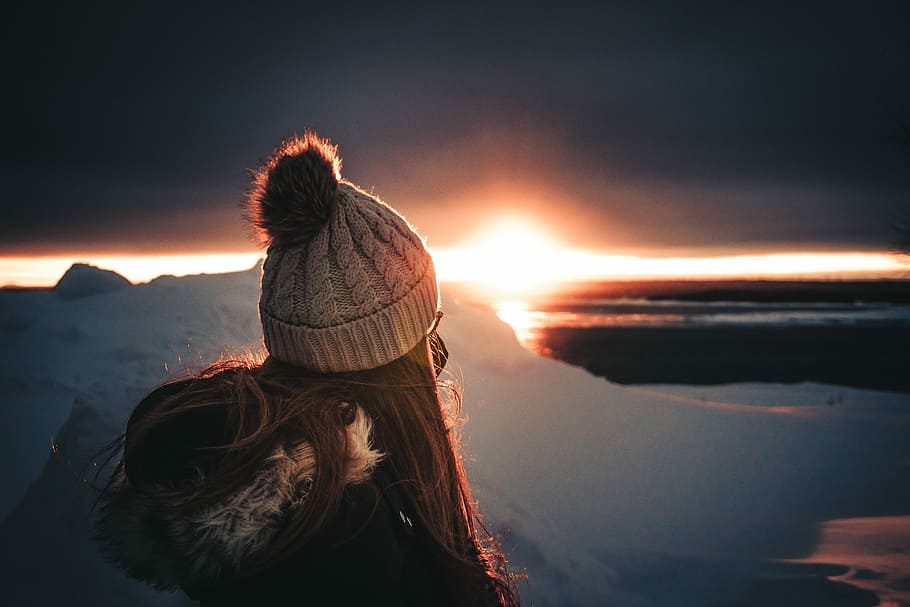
(347, 283)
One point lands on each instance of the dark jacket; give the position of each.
(372, 552)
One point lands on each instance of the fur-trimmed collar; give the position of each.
(159, 545)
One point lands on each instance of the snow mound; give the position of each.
(82, 280)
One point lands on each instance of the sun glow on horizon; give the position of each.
(45, 271)
(512, 257)
(517, 257)
(518, 273)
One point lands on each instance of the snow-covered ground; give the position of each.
(603, 494)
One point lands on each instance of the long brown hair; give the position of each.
(270, 403)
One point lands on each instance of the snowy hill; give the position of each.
(660, 496)
(82, 280)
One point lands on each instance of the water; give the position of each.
(527, 316)
(642, 341)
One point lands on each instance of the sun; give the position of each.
(512, 255)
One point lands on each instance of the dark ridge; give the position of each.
(20, 289)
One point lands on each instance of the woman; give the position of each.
(327, 474)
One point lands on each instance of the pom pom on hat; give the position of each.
(294, 191)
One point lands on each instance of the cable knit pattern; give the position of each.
(359, 294)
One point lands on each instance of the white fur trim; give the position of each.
(152, 543)
(247, 521)
(362, 458)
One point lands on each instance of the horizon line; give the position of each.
(468, 264)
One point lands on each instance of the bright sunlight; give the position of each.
(516, 256)
(46, 271)
(513, 256)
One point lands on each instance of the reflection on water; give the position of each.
(526, 316)
(529, 323)
(526, 323)
(531, 319)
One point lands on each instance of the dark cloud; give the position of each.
(678, 125)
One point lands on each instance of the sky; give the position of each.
(664, 128)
